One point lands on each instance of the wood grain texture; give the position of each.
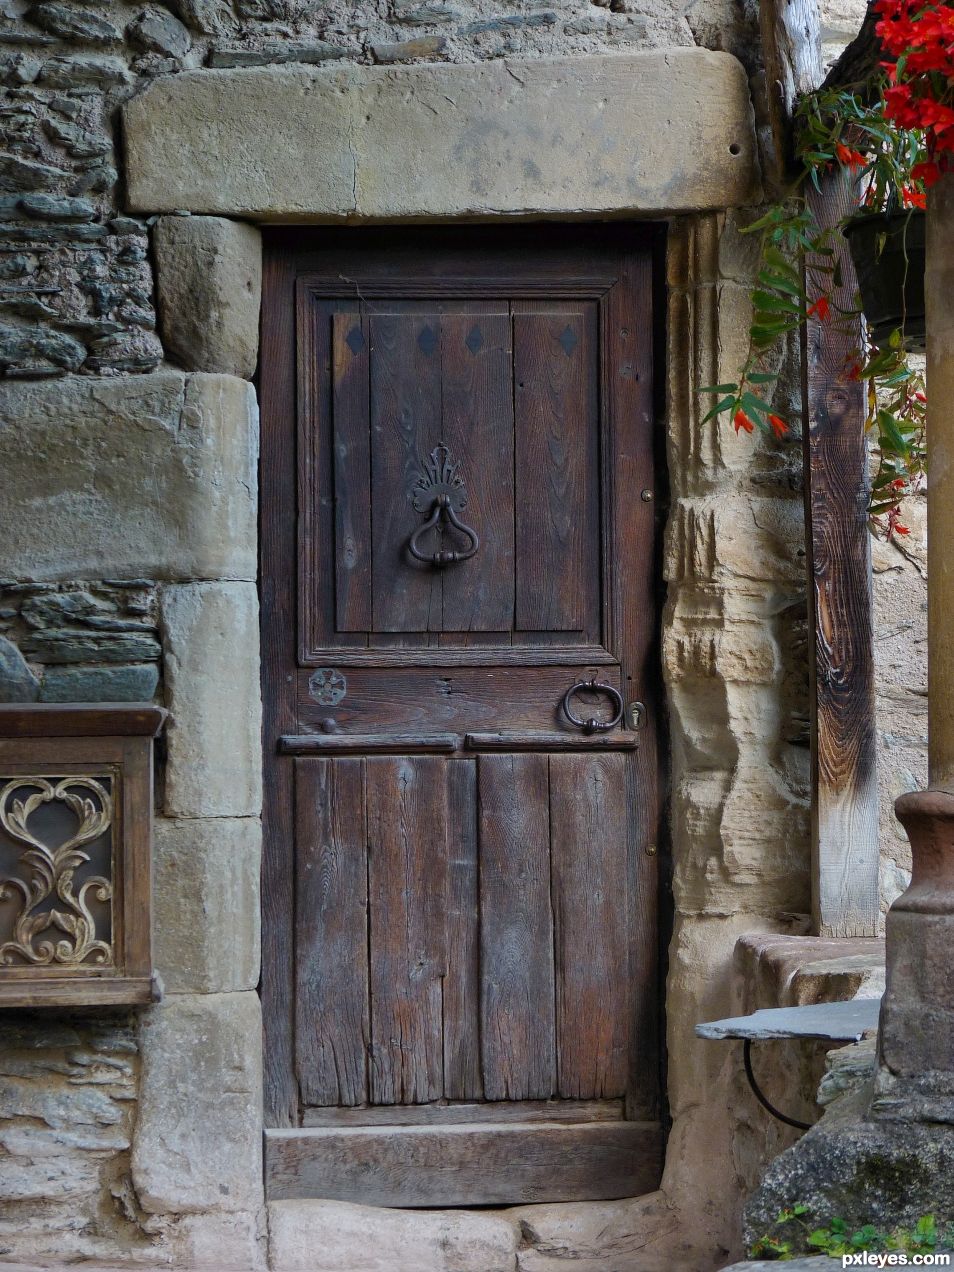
(80, 720)
(555, 458)
(589, 842)
(408, 700)
(465, 1165)
(516, 929)
(450, 1113)
(846, 898)
(351, 444)
(405, 427)
(407, 887)
(533, 741)
(791, 41)
(279, 487)
(461, 1003)
(367, 743)
(477, 426)
(331, 932)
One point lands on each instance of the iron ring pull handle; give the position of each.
(443, 508)
(593, 725)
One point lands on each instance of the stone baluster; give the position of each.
(917, 1023)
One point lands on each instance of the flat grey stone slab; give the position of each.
(834, 1022)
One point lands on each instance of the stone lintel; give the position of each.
(643, 133)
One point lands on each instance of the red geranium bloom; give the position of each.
(742, 421)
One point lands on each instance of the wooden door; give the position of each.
(460, 976)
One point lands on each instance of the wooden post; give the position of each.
(837, 483)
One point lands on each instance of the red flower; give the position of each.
(742, 421)
(849, 158)
(853, 370)
(820, 309)
(779, 427)
(894, 521)
(898, 484)
(912, 198)
(928, 172)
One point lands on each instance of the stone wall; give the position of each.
(900, 634)
(141, 1142)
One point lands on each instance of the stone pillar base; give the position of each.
(917, 1017)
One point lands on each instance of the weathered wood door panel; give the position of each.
(460, 880)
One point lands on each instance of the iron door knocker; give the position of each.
(592, 725)
(440, 490)
(443, 508)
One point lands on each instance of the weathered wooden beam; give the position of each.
(465, 1165)
(791, 52)
(837, 484)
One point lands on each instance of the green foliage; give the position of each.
(840, 129)
(792, 1235)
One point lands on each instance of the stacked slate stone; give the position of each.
(79, 643)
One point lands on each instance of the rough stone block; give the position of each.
(887, 1174)
(646, 131)
(17, 681)
(198, 1141)
(324, 1236)
(212, 684)
(209, 284)
(136, 683)
(206, 903)
(146, 476)
(642, 1232)
(219, 1242)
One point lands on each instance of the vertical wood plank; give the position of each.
(844, 763)
(477, 425)
(516, 929)
(555, 453)
(462, 1076)
(351, 441)
(407, 887)
(331, 939)
(628, 469)
(590, 838)
(278, 616)
(405, 427)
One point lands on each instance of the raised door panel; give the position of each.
(497, 401)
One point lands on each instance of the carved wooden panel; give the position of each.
(75, 842)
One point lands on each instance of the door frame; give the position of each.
(285, 250)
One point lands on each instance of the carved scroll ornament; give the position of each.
(64, 932)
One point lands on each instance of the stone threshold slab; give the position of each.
(833, 1022)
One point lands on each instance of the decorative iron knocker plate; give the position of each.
(592, 725)
(440, 490)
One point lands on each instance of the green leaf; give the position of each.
(764, 377)
(726, 404)
(776, 304)
(719, 388)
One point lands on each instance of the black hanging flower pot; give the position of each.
(888, 252)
